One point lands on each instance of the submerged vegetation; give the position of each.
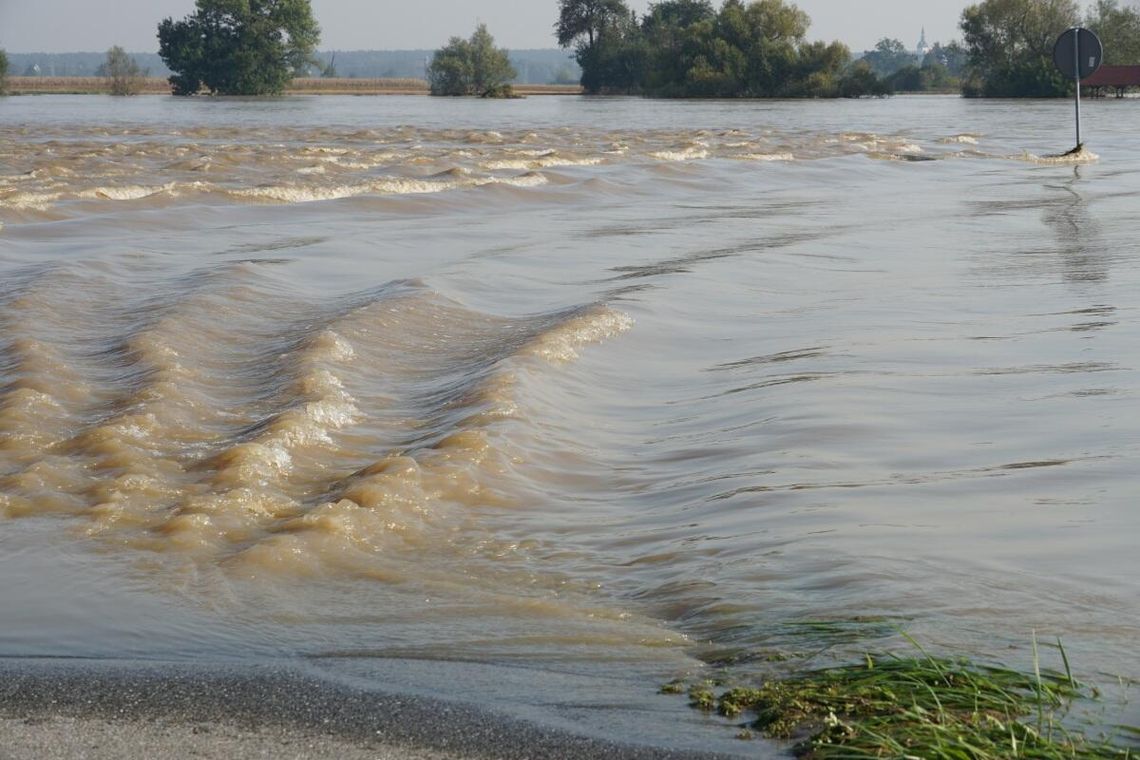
(915, 707)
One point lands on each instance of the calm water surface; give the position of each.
(589, 386)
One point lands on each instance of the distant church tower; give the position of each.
(922, 48)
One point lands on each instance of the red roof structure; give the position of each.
(1119, 78)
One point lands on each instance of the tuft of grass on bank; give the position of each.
(927, 707)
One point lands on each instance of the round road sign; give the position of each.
(1078, 53)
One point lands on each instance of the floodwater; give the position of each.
(576, 385)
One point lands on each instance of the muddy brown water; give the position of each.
(599, 386)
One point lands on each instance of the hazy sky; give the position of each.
(94, 25)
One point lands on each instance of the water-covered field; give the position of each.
(604, 388)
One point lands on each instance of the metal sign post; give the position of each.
(1078, 54)
(1077, 82)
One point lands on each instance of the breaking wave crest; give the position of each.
(295, 166)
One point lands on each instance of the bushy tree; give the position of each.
(471, 67)
(931, 76)
(671, 15)
(124, 72)
(676, 45)
(820, 70)
(774, 33)
(604, 36)
(939, 71)
(449, 72)
(953, 56)
(584, 22)
(3, 72)
(889, 56)
(491, 68)
(1009, 45)
(239, 47)
(860, 81)
(617, 60)
(1118, 29)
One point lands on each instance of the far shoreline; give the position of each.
(315, 86)
(363, 86)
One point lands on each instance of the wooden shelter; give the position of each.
(1117, 78)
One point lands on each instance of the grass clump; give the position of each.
(917, 707)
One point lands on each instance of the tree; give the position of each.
(1009, 47)
(491, 68)
(953, 56)
(816, 70)
(123, 71)
(471, 67)
(617, 60)
(239, 47)
(606, 40)
(449, 72)
(772, 35)
(1119, 30)
(599, 31)
(678, 44)
(3, 72)
(670, 16)
(888, 57)
(860, 81)
(584, 22)
(777, 21)
(932, 76)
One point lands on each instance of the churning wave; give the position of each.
(221, 418)
(290, 166)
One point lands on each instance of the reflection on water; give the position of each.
(718, 383)
(1078, 233)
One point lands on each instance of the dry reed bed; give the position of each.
(77, 85)
(345, 85)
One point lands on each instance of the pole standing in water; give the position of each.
(1078, 53)
(1077, 82)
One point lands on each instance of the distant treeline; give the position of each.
(939, 69)
(533, 66)
(759, 49)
